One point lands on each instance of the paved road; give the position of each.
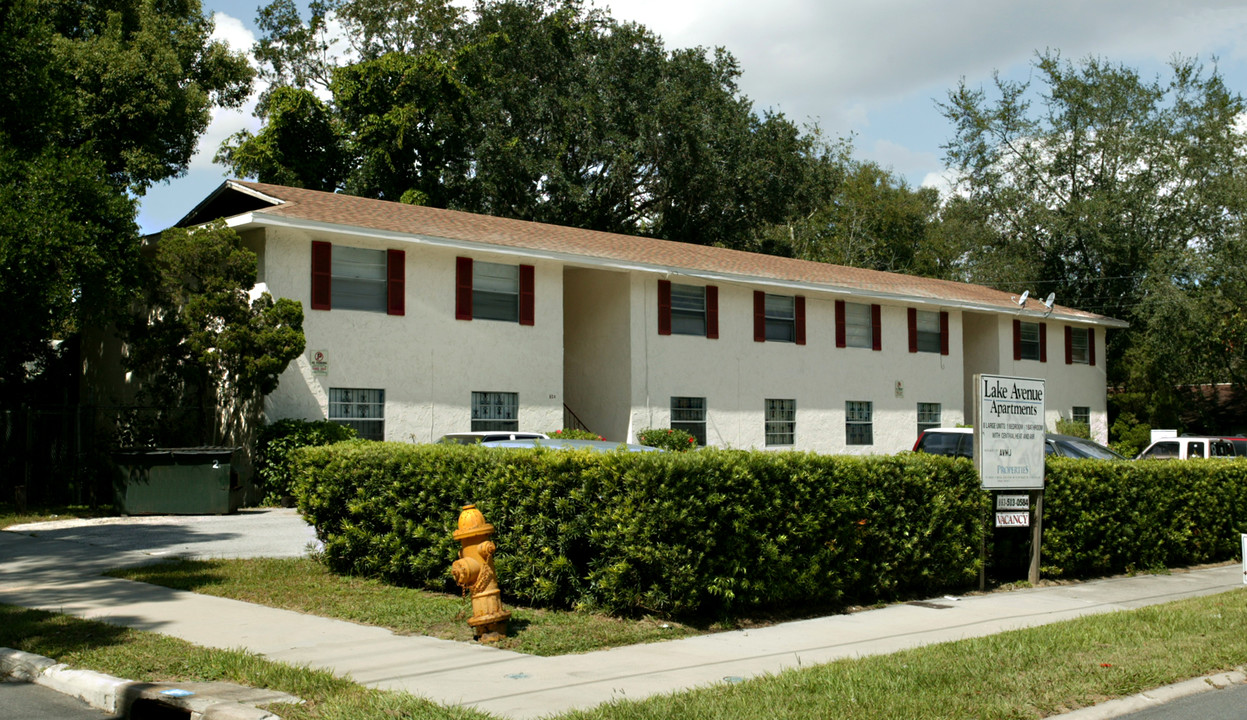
(1225, 704)
(24, 701)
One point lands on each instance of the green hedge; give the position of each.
(1103, 518)
(273, 469)
(711, 532)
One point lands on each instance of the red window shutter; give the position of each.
(759, 316)
(1069, 345)
(800, 312)
(1043, 342)
(395, 282)
(664, 307)
(463, 288)
(712, 312)
(840, 336)
(913, 330)
(528, 309)
(1091, 346)
(1017, 339)
(322, 275)
(876, 327)
(943, 333)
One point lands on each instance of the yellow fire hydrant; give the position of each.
(474, 570)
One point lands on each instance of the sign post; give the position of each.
(1009, 451)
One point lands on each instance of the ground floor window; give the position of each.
(1082, 415)
(360, 408)
(928, 416)
(495, 411)
(689, 414)
(781, 422)
(858, 423)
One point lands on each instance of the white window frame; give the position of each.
(781, 318)
(780, 422)
(859, 422)
(495, 291)
(689, 414)
(1079, 352)
(359, 279)
(495, 410)
(359, 408)
(1030, 342)
(930, 335)
(859, 327)
(688, 310)
(930, 416)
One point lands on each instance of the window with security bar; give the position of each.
(928, 416)
(781, 422)
(495, 411)
(689, 414)
(859, 422)
(359, 408)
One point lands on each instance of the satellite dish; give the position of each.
(1051, 299)
(1022, 300)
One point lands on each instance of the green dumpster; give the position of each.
(177, 481)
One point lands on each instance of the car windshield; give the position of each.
(1076, 447)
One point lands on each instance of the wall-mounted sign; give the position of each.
(320, 362)
(1009, 432)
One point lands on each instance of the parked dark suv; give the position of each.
(959, 442)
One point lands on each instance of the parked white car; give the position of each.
(480, 436)
(1183, 448)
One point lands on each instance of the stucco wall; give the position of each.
(427, 362)
(736, 374)
(1066, 385)
(596, 366)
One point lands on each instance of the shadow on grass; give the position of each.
(53, 635)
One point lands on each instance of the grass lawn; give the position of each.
(10, 516)
(1028, 673)
(306, 586)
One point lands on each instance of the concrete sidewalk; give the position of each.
(64, 576)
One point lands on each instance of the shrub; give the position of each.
(716, 532)
(574, 434)
(273, 467)
(1077, 428)
(667, 439)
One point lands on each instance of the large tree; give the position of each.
(535, 109)
(100, 100)
(1121, 194)
(205, 347)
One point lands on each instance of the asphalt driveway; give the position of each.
(264, 532)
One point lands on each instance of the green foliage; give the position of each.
(1077, 428)
(667, 439)
(199, 340)
(1128, 435)
(575, 434)
(274, 464)
(1121, 195)
(545, 110)
(707, 533)
(299, 146)
(1106, 517)
(100, 100)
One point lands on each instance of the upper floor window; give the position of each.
(688, 309)
(1030, 341)
(1079, 345)
(858, 325)
(778, 318)
(928, 331)
(351, 278)
(494, 291)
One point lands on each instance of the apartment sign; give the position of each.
(1009, 432)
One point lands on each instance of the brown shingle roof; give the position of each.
(347, 210)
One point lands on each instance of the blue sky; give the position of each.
(873, 70)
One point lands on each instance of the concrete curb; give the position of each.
(126, 697)
(1157, 696)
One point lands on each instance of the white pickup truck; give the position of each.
(1184, 447)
